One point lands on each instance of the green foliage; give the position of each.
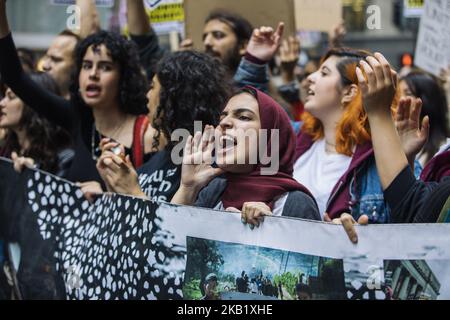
(288, 281)
(191, 290)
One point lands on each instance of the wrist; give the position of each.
(379, 114)
(251, 58)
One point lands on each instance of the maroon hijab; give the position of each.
(254, 187)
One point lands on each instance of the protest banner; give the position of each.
(317, 15)
(433, 43)
(264, 13)
(127, 248)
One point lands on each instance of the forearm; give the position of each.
(185, 196)
(138, 22)
(4, 26)
(90, 22)
(389, 155)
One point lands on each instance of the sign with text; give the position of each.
(433, 44)
(166, 16)
(413, 8)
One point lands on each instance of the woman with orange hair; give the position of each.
(335, 158)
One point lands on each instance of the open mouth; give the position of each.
(93, 90)
(227, 143)
(310, 92)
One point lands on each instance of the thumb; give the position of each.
(425, 130)
(128, 161)
(363, 220)
(13, 155)
(232, 209)
(327, 218)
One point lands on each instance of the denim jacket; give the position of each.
(252, 74)
(358, 191)
(367, 197)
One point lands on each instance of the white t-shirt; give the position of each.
(320, 172)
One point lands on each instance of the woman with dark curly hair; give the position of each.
(31, 136)
(188, 87)
(107, 98)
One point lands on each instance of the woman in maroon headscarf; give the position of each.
(255, 169)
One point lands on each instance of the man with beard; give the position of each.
(226, 36)
(244, 51)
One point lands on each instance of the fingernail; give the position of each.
(243, 221)
(355, 239)
(252, 227)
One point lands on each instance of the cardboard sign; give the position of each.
(259, 13)
(317, 15)
(166, 16)
(99, 3)
(433, 44)
(413, 8)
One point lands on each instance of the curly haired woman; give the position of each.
(31, 136)
(188, 87)
(107, 98)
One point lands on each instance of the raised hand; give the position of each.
(186, 45)
(379, 89)
(337, 35)
(265, 42)
(289, 55)
(197, 170)
(413, 133)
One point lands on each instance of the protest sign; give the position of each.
(126, 248)
(433, 43)
(413, 8)
(166, 16)
(317, 15)
(261, 13)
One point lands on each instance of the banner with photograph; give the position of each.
(126, 248)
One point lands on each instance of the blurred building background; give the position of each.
(35, 22)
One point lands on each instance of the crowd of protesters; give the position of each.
(356, 142)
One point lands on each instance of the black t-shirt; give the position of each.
(415, 201)
(160, 177)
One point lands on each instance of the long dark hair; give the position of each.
(194, 87)
(133, 83)
(45, 139)
(435, 106)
